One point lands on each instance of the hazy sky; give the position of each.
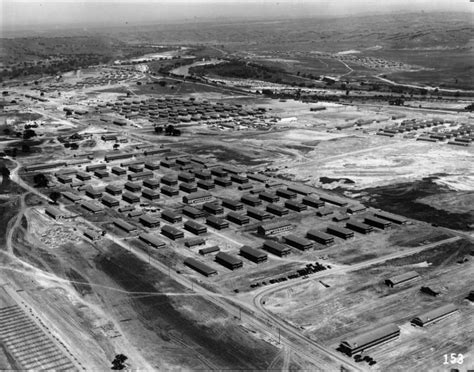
(21, 14)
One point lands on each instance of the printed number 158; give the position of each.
(453, 358)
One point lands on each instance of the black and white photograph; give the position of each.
(237, 185)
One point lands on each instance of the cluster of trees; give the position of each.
(241, 70)
(168, 130)
(40, 180)
(67, 63)
(119, 361)
(5, 173)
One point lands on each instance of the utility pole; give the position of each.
(279, 335)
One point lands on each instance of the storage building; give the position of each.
(113, 190)
(130, 198)
(205, 184)
(367, 340)
(192, 212)
(232, 204)
(70, 196)
(219, 172)
(170, 216)
(171, 232)
(186, 177)
(152, 240)
(377, 222)
(216, 222)
(209, 250)
(302, 190)
(83, 176)
(199, 267)
(434, 315)
(115, 156)
(188, 187)
(91, 207)
(287, 194)
(391, 217)
(269, 197)
(257, 177)
(252, 254)
(118, 171)
(135, 168)
(93, 193)
(298, 242)
(213, 208)
(64, 179)
(239, 179)
(333, 200)
(237, 218)
(295, 206)
(169, 180)
(151, 165)
(245, 186)
(277, 209)
(359, 227)
(124, 225)
(229, 261)
(169, 191)
(223, 182)
(167, 163)
(94, 167)
(203, 175)
(132, 186)
(275, 228)
(276, 248)
(340, 232)
(92, 234)
(251, 200)
(258, 214)
(151, 183)
(402, 278)
(140, 175)
(320, 237)
(149, 221)
(37, 167)
(195, 228)
(109, 201)
(54, 212)
(197, 197)
(150, 194)
(356, 209)
(194, 242)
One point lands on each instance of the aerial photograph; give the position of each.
(237, 185)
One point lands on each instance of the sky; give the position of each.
(24, 14)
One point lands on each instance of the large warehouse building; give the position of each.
(229, 261)
(367, 340)
(434, 315)
(199, 267)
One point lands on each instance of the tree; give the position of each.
(162, 83)
(159, 130)
(29, 133)
(25, 148)
(7, 131)
(118, 362)
(54, 196)
(5, 172)
(169, 130)
(40, 180)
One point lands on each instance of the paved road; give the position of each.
(421, 86)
